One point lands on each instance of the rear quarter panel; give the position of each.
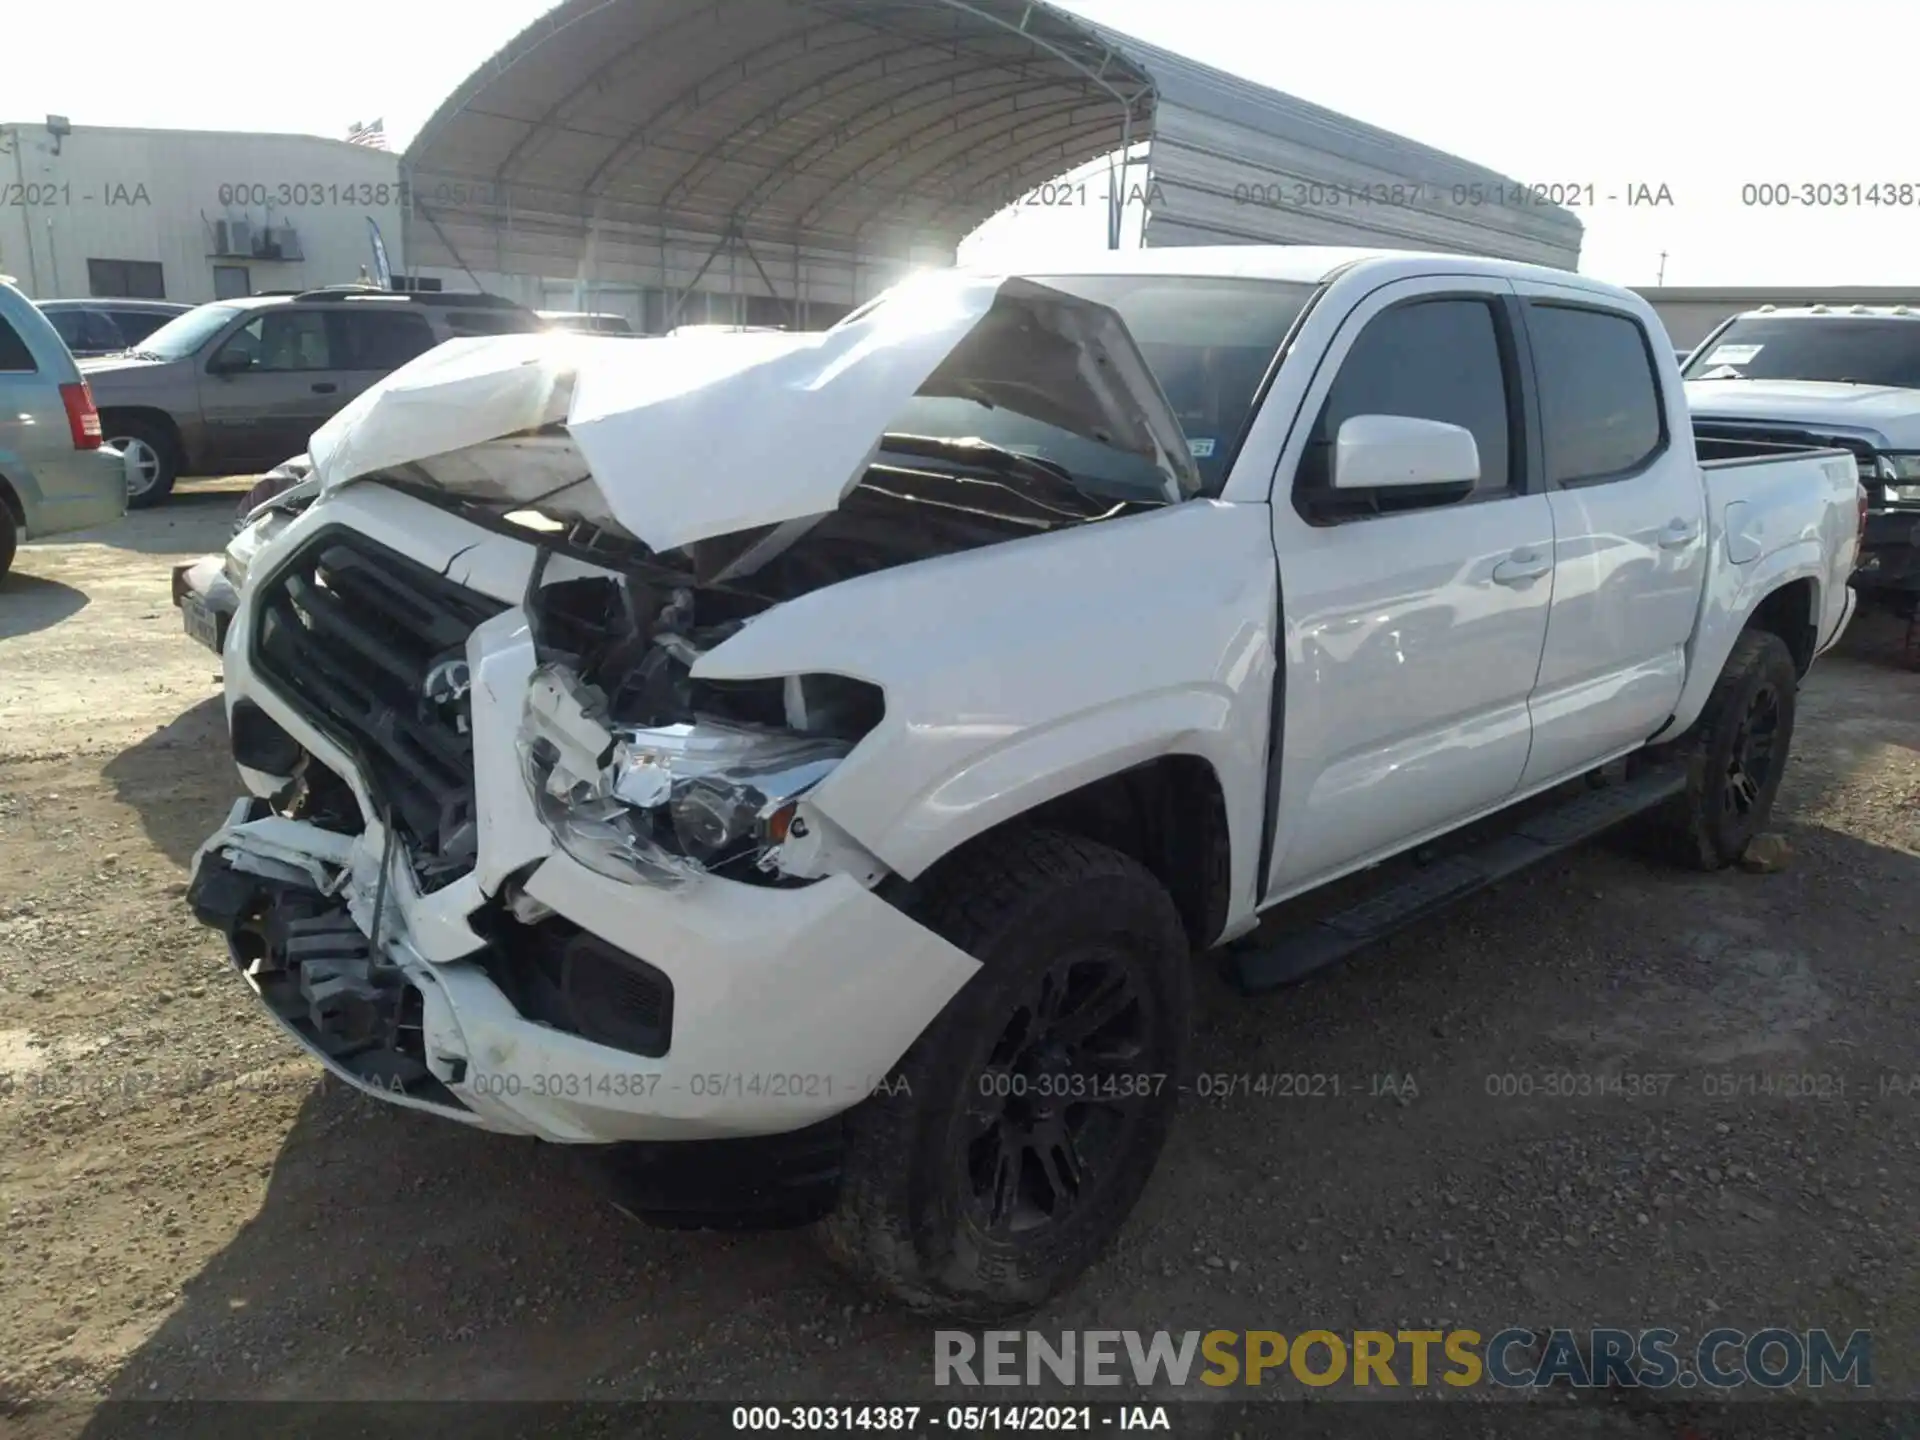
(1772, 522)
(35, 439)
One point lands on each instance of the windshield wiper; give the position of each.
(984, 455)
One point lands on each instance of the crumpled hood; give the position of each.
(691, 437)
(1889, 414)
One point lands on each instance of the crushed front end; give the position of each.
(524, 847)
(444, 921)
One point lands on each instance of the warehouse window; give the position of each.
(126, 279)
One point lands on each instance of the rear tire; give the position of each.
(1735, 755)
(153, 452)
(1014, 1137)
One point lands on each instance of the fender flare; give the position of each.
(1025, 771)
(1725, 612)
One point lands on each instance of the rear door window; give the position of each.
(1600, 412)
(66, 324)
(379, 340)
(14, 354)
(136, 325)
(99, 333)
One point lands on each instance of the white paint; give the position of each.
(1440, 664)
(710, 434)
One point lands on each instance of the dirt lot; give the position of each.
(191, 1212)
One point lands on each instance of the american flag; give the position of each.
(374, 135)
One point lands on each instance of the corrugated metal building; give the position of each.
(796, 156)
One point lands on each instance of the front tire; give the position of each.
(1016, 1134)
(1736, 755)
(155, 460)
(9, 540)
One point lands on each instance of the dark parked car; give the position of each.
(106, 327)
(239, 385)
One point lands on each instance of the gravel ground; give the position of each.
(191, 1212)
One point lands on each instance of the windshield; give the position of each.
(1853, 349)
(1208, 340)
(184, 334)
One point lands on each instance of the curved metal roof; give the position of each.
(816, 137)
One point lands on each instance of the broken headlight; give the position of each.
(663, 803)
(249, 541)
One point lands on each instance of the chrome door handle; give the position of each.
(1523, 567)
(1677, 534)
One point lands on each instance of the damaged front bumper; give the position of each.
(754, 1012)
(514, 987)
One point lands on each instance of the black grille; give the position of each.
(615, 998)
(350, 632)
(555, 972)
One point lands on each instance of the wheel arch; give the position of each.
(1792, 612)
(147, 415)
(10, 501)
(1168, 813)
(1781, 594)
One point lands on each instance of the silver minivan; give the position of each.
(55, 475)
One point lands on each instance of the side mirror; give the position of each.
(228, 362)
(1380, 464)
(1401, 453)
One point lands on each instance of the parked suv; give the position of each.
(54, 473)
(106, 327)
(238, 385)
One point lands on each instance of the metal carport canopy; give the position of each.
(814, 149)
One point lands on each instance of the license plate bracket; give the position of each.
(201, 623)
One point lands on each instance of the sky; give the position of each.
(1700, 96)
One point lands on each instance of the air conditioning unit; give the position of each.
(286, 240)
(239, 237)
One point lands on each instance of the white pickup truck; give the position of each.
(1843, 375)
(816, 760)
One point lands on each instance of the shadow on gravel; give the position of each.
(397, 1256)
(193, 520)
(1881, 638)
(180, 779)
(28, 603)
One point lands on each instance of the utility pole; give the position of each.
(1661, 278)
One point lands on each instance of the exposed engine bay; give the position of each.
(642, 771)
(701, 483)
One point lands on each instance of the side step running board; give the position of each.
(1308, 947)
